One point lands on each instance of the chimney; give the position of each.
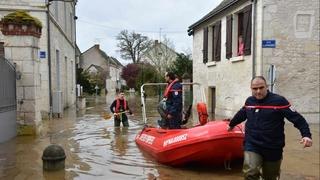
(97, 46)
(156, 42)
(1, 49)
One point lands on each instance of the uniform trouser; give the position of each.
(173, 123)
(255, 167)
(162, 111)
(121, 118)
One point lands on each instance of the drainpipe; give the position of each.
(75, 48)
(49, 56)
(254, 38)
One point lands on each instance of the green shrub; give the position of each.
(21, 17)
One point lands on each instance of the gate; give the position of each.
(7, 100)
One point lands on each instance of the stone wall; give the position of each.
(22, 50)
(93, 56)
(294, 25)
(62, 39)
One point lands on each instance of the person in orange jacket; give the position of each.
(171, 105)
(119, 108)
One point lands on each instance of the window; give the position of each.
(71, 26)
(72, 76)
(65, 18)
(240, 24)
(58, 69)
(216, 41)
(238, 35)
(56, 10)
(66, 84)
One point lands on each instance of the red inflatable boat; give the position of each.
(208, 143)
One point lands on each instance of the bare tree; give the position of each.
(132, 45)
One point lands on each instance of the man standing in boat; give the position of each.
(119, 108)
(264, 130)
(172, 100)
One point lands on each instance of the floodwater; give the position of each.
(97, 150)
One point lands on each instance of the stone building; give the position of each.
(54, 53)
(95, 60)
(280, 42)
(57, 51)
(160, 55)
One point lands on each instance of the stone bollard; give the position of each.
(53, 158)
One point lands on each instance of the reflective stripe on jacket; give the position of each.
(265, 121)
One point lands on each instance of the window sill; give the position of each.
(237, 58)
(212, 63)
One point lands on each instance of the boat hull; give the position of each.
(207, 144)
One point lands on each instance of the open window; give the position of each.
(239, 31)
(240, 41)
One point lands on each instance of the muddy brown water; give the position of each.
(97, 150)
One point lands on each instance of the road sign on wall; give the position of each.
(42, 54)
(268, 43)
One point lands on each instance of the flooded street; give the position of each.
(97, 150)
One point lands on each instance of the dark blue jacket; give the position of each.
(265, 127)
(174, 100)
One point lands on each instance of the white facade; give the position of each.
(114, 82)
(62, 46)
(160, 55)
(92, 56)
(294, 27)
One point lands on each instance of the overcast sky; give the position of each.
(100, 21)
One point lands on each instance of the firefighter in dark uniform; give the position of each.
(119, 108)
(170, 108)
(264, 131)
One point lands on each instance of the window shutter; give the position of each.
(205, 45)
(247, 30)
(217, 42)
(213, 42)
(229, 37)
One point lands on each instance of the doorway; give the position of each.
(212, 102)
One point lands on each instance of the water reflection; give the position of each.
(95, 149)
(120, 142)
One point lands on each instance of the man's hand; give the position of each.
(130, 113)
(307, 142)
(230, 128)
(169, 116)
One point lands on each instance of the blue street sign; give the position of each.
(268, 43)
(42, 54)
